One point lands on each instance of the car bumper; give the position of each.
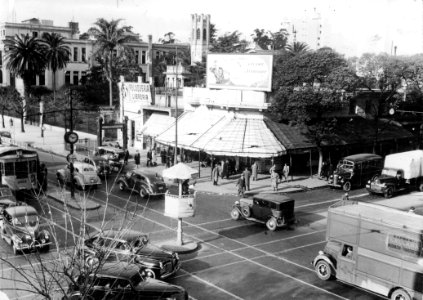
(376, 188)
(34, 245)
(167, 273)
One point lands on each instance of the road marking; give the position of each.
(212, 222)
(329, 201)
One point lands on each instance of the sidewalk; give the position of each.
(53, 142)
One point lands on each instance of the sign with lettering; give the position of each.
(240, 71)
(134, 95)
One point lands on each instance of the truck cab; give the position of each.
(390, 182)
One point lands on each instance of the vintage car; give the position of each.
(84, 175)
(110, 153)
(134, 247)
(355, 170)
(100, 164)
(122, 281)
(6, 193)
(146, 184)
(19, 227)
(271, 209)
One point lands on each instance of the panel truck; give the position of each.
(374, 247)
(401, 172)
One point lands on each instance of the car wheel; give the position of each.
(15, 250)
(389, 193)
(323, 270)
(235, 215)
(121, 186)
(143, 193)
(245, 210)
(400, 294)
(271, 224)
(150, 273)
(347, 186)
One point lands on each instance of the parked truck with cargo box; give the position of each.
(401, 173)
(374, 247)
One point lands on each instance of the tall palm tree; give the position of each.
(57, 54)
(25, 58)
(109, 36)
(297, 48)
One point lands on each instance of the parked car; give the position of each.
(271, 209)
(100, 164)
(145, 184)
(84, 175)
(134, 247)
(6, 193)
(110, 153)
(355, 171)
(111, 142)
(122, 281)
(19, 227)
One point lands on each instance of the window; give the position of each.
(137, 54)
(143, 57)
(67, 77)
(114, 53)
(12, 80)
(35, 34)
(198, 33)
(75, 77)
(75, 54)
(34, 79)
(204, 34)
(83, 55)
(1, 58)
(9, 169)
(83, 76)
(42, 79)
(347, 251)
(157, 55)
(1, 76)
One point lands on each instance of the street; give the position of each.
(235, 260)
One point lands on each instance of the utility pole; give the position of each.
(71, 146)
(176, 108)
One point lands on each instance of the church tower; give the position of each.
(200, 37)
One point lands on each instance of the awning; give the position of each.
(245, 135)
(156, 124)
(191, 127)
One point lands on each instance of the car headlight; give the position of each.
(161, 265)
(176, 255)
(46, 234)
(236, 202)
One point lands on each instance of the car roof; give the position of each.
(126, 234)
(146, 174)
(109, 148)
(362, 157)
(118, 270)
(21, 210)
(273, 198)
(81, 164)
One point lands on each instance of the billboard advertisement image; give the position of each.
(240, 71)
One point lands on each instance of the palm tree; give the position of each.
(57, 54)
(109, 36)
(25, 58)
(297, 48)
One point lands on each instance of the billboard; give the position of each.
(240, 71)
(134, 95)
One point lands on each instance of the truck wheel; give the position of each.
(246, 212)
(347, 186)
(235, 215)
(388, 193)
(400, 294)
(271, 224)
(323, 270)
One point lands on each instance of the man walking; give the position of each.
(215, 174)
(254, 169)
(149, 157)
(247, 175)
(137, 158)
(126, 157)
(241, 185)
(285, 172)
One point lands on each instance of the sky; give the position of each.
(355, 24)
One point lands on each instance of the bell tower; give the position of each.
(200, 37)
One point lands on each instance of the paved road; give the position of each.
(236, 259)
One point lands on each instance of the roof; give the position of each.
(362, 156)
(273, 198)
(381, 214)
(290, 137)
(23, 210)
(156, 124)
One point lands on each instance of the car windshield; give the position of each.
(345, 165)
(27, 220)
(140, 242)
(5, 192)
(88, 169)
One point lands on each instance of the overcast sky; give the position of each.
(360, 20)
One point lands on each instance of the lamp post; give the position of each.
(176, 108)
(71, 138)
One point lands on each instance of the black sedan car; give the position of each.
(19, 227)
(122, 281)
(145, 184)
(133, 247)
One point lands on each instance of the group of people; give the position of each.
(151, 158)
(275, 177)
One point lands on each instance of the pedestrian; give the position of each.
(227, 168)
(285, 172)
(137, 159)
(274, 177)
(247, 175)
(241, 185)
(254, 169)
(224, 168)
(346, 197)
(236, 165)
(11, 122)
(126, 157)
(43, 177)
(215, 175)
(163, 156)
(154, 158)
(149, 157)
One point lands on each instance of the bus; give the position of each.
(19, 168)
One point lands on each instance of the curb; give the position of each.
(71, 205)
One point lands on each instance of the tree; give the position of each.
(57, 54)
(229, 43)
(109, 38)
(169, 38)
(262, 38)
(26, 59)
(8, 95)
(309, 86)
(270, 40)
(297, 48)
